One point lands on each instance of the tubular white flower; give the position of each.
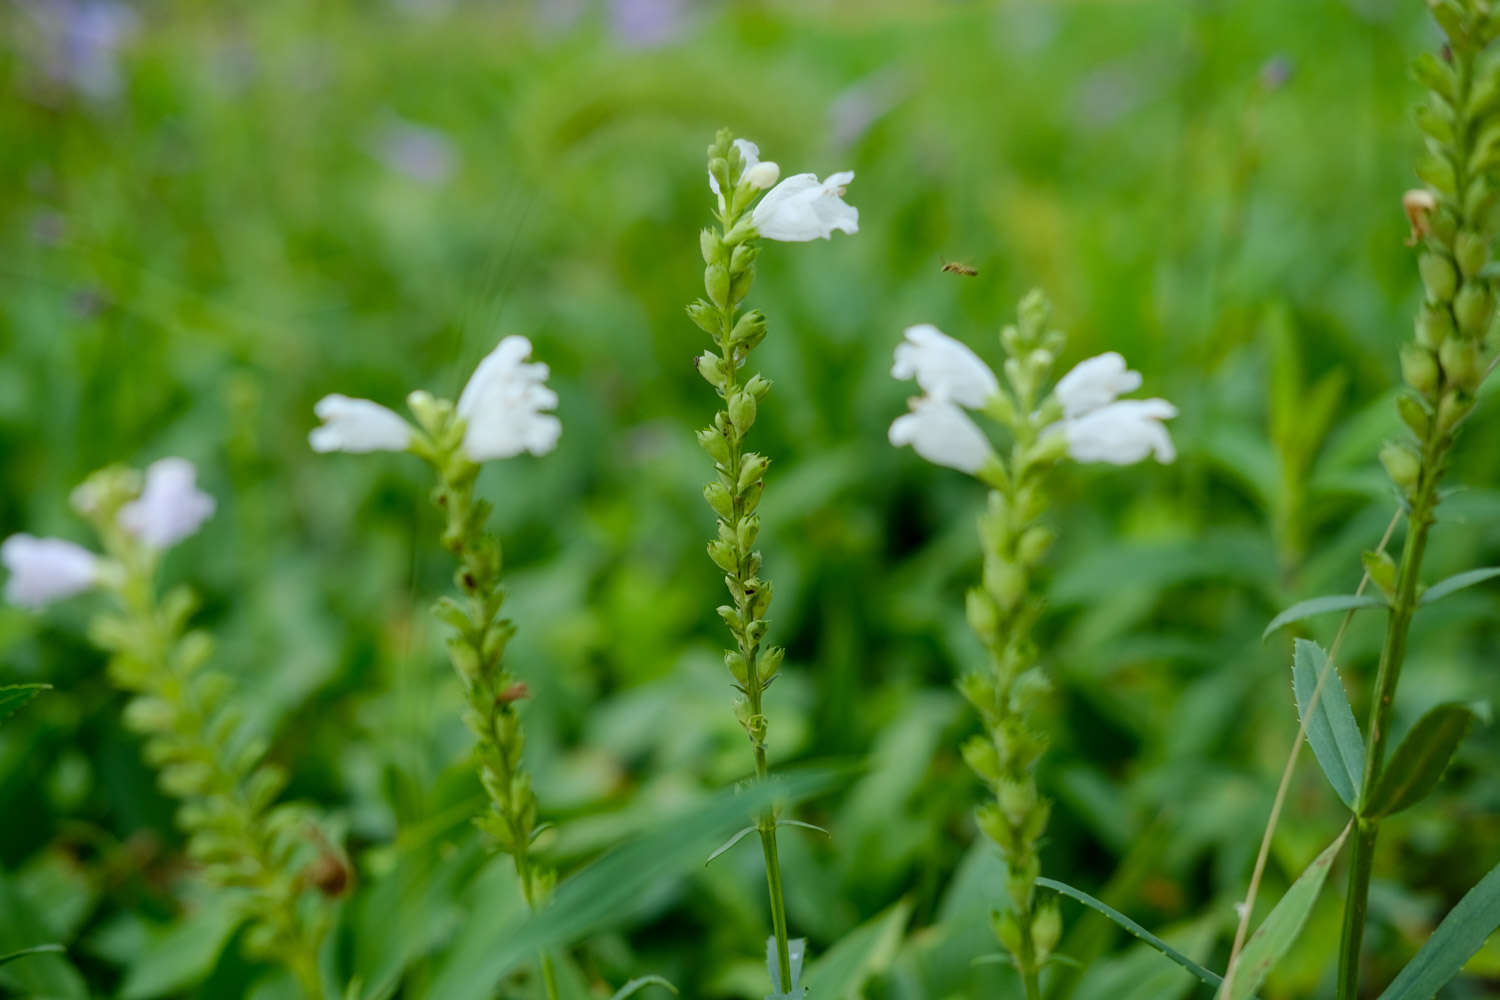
(945, 368)
(750, 153)
(762, 175)
(43, 570)
(1122, 433)
(802, 208)
(503, 403)
(170, 507)
(358, 426)
(943, 434)
(1095, 382)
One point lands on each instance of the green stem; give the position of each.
(1392, 657)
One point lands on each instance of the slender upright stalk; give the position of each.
(734, 494)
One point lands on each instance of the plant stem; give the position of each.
(1392, 657)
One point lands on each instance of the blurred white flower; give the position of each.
(1121, 433)
(170, 507)
(43, 570)
(503, 403)
(759, 174)
(945, 368)
(943, 434)
(1095, 382)
(803, 208)
(358, 426)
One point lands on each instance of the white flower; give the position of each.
(1122, 433)
(943, 434)
(803, 208)
(1094, 383)
(43, 570)
(170, 507)
(503, 404)
(358, 426)
(945, 368)
(758, 174)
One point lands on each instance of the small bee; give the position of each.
(954, 267)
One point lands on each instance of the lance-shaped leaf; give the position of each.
(1419, 761)
(1331, 730)
(1321, 605)
(1458, 581)
(14, 696)
(1461, 934)
(1282, 925)
(636, 985)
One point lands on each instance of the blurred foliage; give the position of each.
(216, 213)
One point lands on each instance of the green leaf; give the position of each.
(183, 955)
(1331, 730)
(1419, 761)
(1458, 581)
(41, 949)
(1212, 979)
(1321, 605)
(14, 696)
(1461, 934)
(612, 888)
(739, 836)
(46, 974)
(635, 985)
(841, 974)
(1282, 925)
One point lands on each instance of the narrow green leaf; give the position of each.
(1322, 605)
(805, 826)
(1212, 979)
(841, 974)
(1282, 925)
(14, 696)
(1419, 761)
(41, 949)
(1461, 934)
(635, 985)
(1331, 730)
(739, 836)
(1458, 581)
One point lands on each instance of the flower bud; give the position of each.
(704, 316)
(749, 330)
(714, 443)
(1402, 464)
(742, 411)
(711, 367)
(1046, 930)
(1473, 308)
(1460, 359)
(746, 531)
(1434, 325)
(758, 386)
(762, 175)
(979, 754)
(1419, 369)
(1414, 414)
(711, 246)
(716, 284)
(1382, 570)
(742, 257)
(1452, 408)
(752, 468)
(1471, 252)
(1034, 544)
(769, 662)
(1439, 275)
(717, 495)
(980, 609)
(723, 556)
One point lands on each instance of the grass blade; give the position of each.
(1321, 605)
(1458, 581)
(636, 985)
(1461, 934)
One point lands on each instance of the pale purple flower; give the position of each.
(1121, 433)
(503, 405)
(943, 434)
(358, 426)
(170, 507)
(643, 24)
(81, 42)
(945, 368)
(418, 151)
(803, 208)
(1095, 382)
(43, 570)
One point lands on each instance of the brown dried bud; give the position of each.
(513, 694)
(1419, 204)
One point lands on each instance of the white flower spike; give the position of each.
(503, 403)
(358, 426)
(943, 434)
(945, 368)
(43, 570)
(1122, 433)
(757, 174)
(1095, 382)
(802, 208)
(170, 508)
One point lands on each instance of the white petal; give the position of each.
(803, 208)
(750, 153)
(358, 426)
(1096, 382)
(503, 404)
(170, 507)
(43, 570)
(945, 368)
(943, 434)
(1122, 433)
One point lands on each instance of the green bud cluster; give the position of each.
(476, 646)
(1002, 610)
(226, 791)
(1455, 342)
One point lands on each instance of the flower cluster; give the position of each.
(1094, 425)
(169, 508)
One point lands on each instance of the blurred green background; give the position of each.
(214, 214)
